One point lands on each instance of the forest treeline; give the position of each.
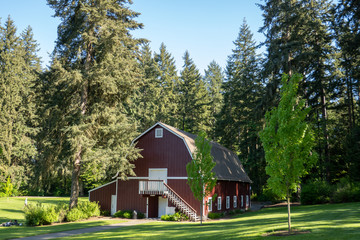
(68, 128)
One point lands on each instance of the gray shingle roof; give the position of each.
(228, 165)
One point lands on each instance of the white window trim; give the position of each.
(219, 203)
(159, 132)
(210, 204)
(242, 200)
(227, 202)
(235, 201)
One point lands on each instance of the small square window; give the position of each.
(158, 132)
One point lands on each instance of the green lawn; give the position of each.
(12, 208)
(331, 221)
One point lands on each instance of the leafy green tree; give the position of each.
(214, 79)
(288, 141)
(93, 73)
(201, 179)
(194, 100)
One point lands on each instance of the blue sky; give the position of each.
(206, 28)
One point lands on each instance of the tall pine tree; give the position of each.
(95, 70)
(194, 101)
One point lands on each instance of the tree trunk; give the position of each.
(325, 132)
(75, 181)
(289, 216)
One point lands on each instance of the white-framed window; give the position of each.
(235, 202)
(158, 132)
(247, 200)
(219, 203)
(210, 204)
(227, 202)
(242, 200)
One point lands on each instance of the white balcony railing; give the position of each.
(151, 187)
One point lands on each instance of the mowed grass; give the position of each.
(12, 208)
(331, 221)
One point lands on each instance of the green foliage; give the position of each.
(316, 192)
(119, 214)
(90, 209)
(6, 189)
(346, 192)
(36, 215)
(174, 217)
(213, 215)
(194, 101)
(75, 214)
(288, 140)
(94, 72)
(126, 214)
(140, 215)
(105, 213)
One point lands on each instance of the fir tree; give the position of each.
(194, 101)
(95, 70)
(214, 79)
(239, 119)
(17, 104)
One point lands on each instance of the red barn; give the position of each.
(160, 184)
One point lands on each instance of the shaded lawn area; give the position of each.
(331, 221)
(12, 208)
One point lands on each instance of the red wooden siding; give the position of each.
(182, 188)
(167, 152)
(231, 189)
(129, 197)
(103, 195)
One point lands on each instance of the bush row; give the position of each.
(128, 214)
(317, 192)
(38, 214)
(174, 217)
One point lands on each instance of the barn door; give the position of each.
(113, 204)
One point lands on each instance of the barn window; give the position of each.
(247, 200)
(158, 132)
(242, 201)
(227, 202)
(219, 203)
(210, 204)
(235, 201)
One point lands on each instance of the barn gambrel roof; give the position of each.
(228, 166)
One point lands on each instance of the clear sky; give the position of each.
(206, 28)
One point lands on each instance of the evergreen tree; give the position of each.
(298, 40)
(194, 101)
(95, 70)
(214, 79)
(167, 80)
(239, 119)
(17, 119)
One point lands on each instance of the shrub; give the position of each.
(128, 214)
(346, 192)
(89, 209)
(212, 215)
(119, 214)
(316, 192)
(124, 214)
(105, 213)
(167, 217)
(140, 215)
(237, 211)
(61, 210)
(75, 214)
(36, 215)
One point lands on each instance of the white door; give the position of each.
(113, 204)
(159, 174)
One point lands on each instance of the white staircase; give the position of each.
(180, 203)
